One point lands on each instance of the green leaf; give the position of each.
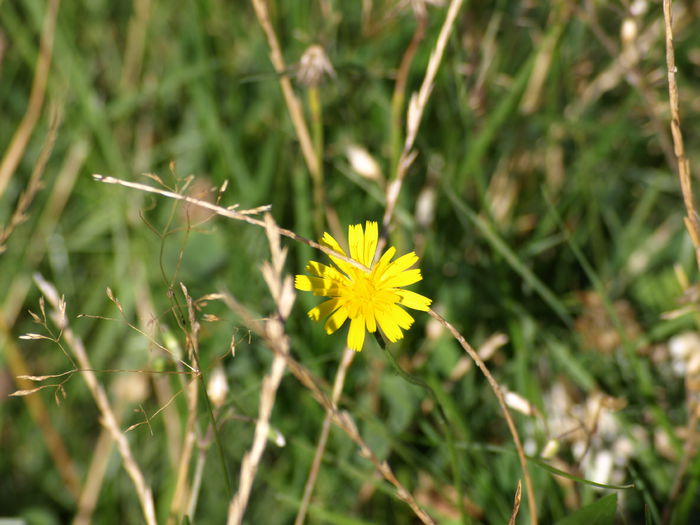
(601, 512)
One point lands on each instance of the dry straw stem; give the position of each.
(180, 500)
(399, 95)
(19, 141)
(293, 104)
(230, 213)
(516, 504)
(94, 478)
(504, 408)
(179, 503)
(35, 184)
(692, 223)
(282, 292)
(109, 419)
(416, 107)
(341, 419)
(338, 383)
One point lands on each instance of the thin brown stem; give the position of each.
(504, 408)
(692, 223)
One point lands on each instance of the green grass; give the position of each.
(531, 212)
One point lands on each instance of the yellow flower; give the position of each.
(370, 299)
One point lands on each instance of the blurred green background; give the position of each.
(543, 202)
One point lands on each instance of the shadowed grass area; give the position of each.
(543, 203)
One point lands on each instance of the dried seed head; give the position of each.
(314, 64)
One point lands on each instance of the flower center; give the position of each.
(363, 289)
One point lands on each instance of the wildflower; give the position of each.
(370, 299)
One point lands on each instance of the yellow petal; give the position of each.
(356, 239)
(336, 320)
(303, 282)
(389, 326)
(318, 285)
(353, 308)
(356, 334)
(368, 314)
(401, 316)
(402, 263)
(403, 279)
(414, 300)
(322, 270)
(383, 262)
(371, 238)
(324, 309)
(328, 241)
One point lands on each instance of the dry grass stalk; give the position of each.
(556, 24)
(399, 95)
(293, 104)
(109, 419)
(416, 107)
(341, 419)
(94, 479)
(127, 389)
(36, 99)
(134, 51)
(504, 408)
(692, 223)
(282, 292)
(243, 215)
(35, 183)
(180, 499)
(179, 504)
(338, 383)
(516, 503)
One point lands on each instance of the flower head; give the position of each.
(370, 299)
